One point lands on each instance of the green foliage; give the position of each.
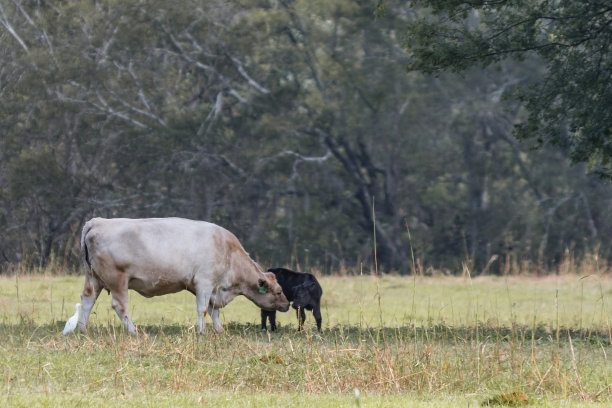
(568, 104)
(285, 122)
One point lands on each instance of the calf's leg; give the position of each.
(301, 316)
(272, 315)
(316, 311)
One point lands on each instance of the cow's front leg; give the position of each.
(214, 315)
(202, 299)
(120, 304)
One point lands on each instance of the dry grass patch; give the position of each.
(440, 339)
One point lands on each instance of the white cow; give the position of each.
(156, 256)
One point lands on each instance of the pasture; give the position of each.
(399, 341)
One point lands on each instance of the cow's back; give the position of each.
(170, 249)
(153, 238)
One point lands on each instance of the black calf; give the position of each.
(303, 290)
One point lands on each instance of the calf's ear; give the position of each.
(271, 276)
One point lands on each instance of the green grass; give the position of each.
(265, 400)
(433, 342)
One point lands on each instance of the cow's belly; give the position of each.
(156, 287)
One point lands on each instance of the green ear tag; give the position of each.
(262, 289)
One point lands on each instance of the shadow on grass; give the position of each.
(345, 333)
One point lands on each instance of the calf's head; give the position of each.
(269, 295)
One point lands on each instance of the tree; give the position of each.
(568, 104)
(116, 109)
(288, 122)
(344, 101)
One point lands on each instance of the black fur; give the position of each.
(303, 290)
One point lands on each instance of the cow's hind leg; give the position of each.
(91, 291)
(120, 302)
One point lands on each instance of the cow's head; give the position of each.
(270, 295)
(302, 294)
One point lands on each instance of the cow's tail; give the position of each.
(84, 251)
(92, 286)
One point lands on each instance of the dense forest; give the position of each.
(297, 125)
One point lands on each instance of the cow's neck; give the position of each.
(248, 273)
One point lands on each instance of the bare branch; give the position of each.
(237, 96)
(299, 159)
(11, 30)
(319, 159)
(108, 109)
(198, 47)
(143, 99)
(246, 76)
(184, 55)
(212, 115)
(23, 12)
(233, 166)
(107, 44)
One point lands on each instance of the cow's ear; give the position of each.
(262, 285)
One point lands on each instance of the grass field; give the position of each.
(439, 342)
